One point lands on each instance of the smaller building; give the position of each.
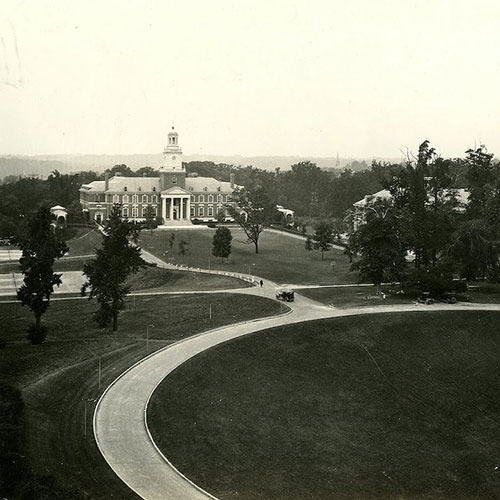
(60, 213)
(358, 213)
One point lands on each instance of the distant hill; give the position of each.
(44, 164)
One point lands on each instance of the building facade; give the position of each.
(174, 196)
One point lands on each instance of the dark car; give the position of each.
(453, 298)
(286, 295)
(425, 298)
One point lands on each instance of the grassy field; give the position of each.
(281, 258)
(380, 407)
(363, 296)
(60, 378)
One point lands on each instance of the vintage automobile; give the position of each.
(425, 298)
(286, 295)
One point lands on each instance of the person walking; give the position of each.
(261, 283)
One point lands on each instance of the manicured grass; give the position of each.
(60, 378)
(281, 258)
(355, 296)
(85, 243)
(387, 407)
(363, 296)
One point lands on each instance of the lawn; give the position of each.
(281, 258)
(363, 296)
(60, 378)
(382, 407)
(354, 296)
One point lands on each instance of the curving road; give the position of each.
(120, 417)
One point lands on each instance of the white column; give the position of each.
(181, 203)
(172, 208)
(188, 208)
(164, 210)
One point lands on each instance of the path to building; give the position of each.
(120, 424)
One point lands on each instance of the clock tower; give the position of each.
(172, 173)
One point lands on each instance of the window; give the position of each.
(155, 199)
(116, 198)
(154, 188)
(210, 198)
(219, 198)
(155, 213)
(191, 188)
(174, 180)
(192, 212)
(135, 199)
(210, 211)
(144, 198)
(205, 189)
(193, 198)
(125, 212)
(125, 199)
(135, 212)
(201, 198)
(139, 189)
(201, 211)
(125, 188)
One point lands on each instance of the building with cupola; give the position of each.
(174, 196)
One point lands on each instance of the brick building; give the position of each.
(175, 197)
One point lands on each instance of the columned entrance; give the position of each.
(175, 207)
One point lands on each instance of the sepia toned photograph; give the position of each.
(249, 250)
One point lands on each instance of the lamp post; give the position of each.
(147, 337)
(90, 400)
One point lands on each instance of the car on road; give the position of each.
(286, 295)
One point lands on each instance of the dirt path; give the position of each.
(120, 425)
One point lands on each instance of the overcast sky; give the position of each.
(312, 78)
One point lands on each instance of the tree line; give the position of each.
(423, 234)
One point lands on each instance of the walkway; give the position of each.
(120, 424)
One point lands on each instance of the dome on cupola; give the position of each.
(173, 132)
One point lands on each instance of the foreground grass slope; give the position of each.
(388, 406)
(281, 258)
(60, 378)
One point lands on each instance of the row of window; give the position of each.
(210, 211)
(135, 198)
(135, 212)
(154, 199)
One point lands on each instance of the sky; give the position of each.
(360, 78)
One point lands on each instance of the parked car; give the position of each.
(453, 298)
(286, 295)
(425, 298)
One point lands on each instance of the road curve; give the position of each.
(120, 425)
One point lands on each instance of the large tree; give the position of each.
(253, 212)
(221, 243)
(377, 248)
(106, 275)
(322, 237)
(40, 247)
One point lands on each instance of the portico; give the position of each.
(176, 205)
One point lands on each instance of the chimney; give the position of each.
(106, 181)
(231, 180)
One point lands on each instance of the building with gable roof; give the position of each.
(175, 197)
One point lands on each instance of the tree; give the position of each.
(170, 240)
(254, 212)
(150, 217)
(221, 244)
(322, 237)
(115, 261)
(309, 246)
(40, 247)
(183, 248)
(378, 246)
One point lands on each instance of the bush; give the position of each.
(37, 335)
